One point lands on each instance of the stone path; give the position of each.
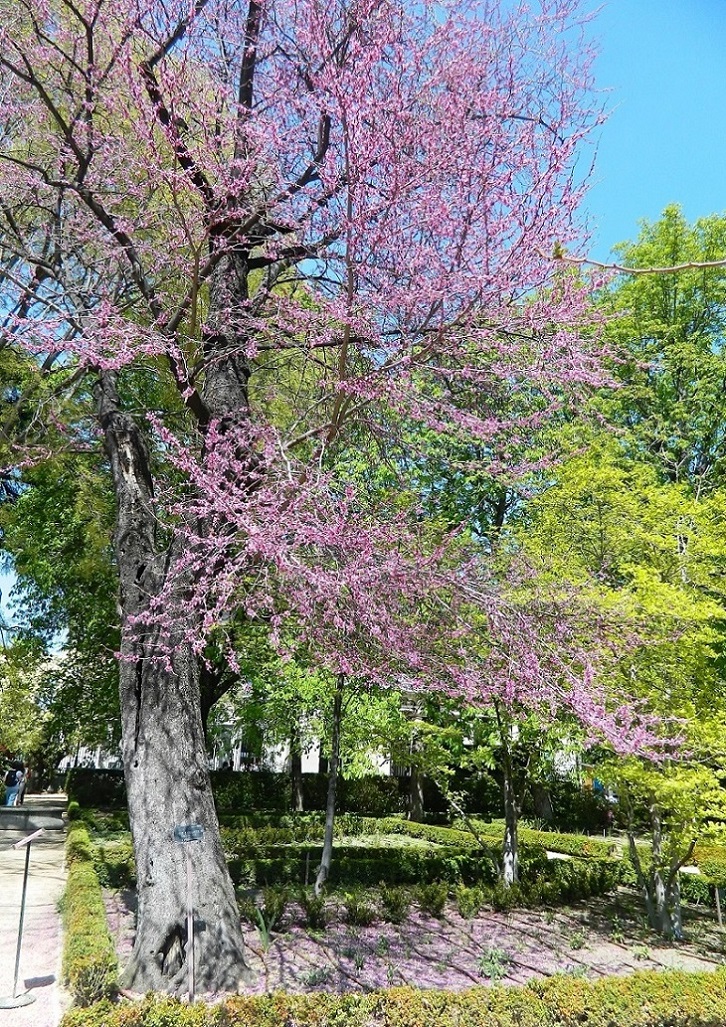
(40, 956)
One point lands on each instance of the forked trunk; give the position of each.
(660, 884)
(663, 905)
(327, 857)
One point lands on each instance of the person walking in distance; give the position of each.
(13, 780)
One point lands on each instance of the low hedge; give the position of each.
(263, 865)
(358, 865)
(644, 999)
(568, 844)
(90, 966)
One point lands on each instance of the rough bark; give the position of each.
(327, 857)
(164, 754)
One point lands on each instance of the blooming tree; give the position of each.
(309, 221)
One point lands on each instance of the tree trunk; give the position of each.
(416, 796)
(662, 892)
(324, 869)
(165, 761)
(298, 802)
(510, 847)
(542, 802)
(167, 781)
(663, 905)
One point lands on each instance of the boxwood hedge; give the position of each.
(90, 966)
(644, 999)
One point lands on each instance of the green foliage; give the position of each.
(267, 916)
(395, 902)
(358, 908)
(569, 844)
(711, 861)
(493, 964)
(114, 863)
(314, 907)
(468, 901)
(669, 332)
(58, 532)
(643, 999)
(432, 897)
(96, 789)
(270, 856)
(89, 957)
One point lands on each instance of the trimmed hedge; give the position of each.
(256, 863)
(90, 966)
(568, 844)
(251, 790)
(643, 999)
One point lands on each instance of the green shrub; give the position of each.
(90, 966)
(255, 862)
(395, 903)
(238, 792)
(643, 999)
(358, 908)
(432, 897)
(711, 861)
(376, 795)
(115, 864)
(314, 907)
(502, 898)
(582, 845)
(79, 847)
(468, 901)
(274, 904)
(103, 789)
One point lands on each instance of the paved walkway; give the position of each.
(40, 956)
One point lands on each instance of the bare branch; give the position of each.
(691, 265)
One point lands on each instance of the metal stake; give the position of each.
(718, 907)
(190, 925)
(26, 998)
(187, 833)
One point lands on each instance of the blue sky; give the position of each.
(664, 62)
